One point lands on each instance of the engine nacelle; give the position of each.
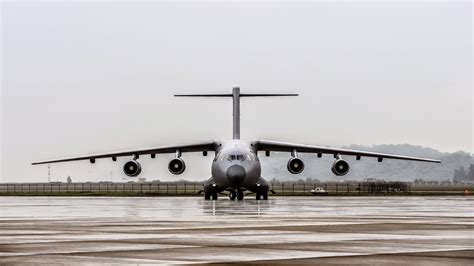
(295, 165)
(132, 168)
(177, 166)
(340, 167)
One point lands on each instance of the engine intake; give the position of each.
(177, 166)
(340, 167)
(132, 168)
(295, 165)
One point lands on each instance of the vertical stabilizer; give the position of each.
(236, 112)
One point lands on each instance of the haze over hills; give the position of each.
(395, 170)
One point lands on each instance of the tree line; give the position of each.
(461, 174)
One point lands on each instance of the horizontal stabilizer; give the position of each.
(267, 94)
(203, 95)
(241, 95)
(236, 95)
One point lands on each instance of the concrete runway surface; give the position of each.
(286, 230)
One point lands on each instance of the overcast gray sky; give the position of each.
(80, 78)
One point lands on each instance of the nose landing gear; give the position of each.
(232, 195)
(240, 194)
(236, 194)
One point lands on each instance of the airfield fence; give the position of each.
(165, 188)
(193, 188)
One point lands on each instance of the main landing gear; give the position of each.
(236, 194)
(211, 195)
(263, 195)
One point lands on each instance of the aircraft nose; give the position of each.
(236, 174)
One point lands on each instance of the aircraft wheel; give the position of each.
(207, 196)
(214, 196)
(261, 195)
(240, 194)
(232, 195)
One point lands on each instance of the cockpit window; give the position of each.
(238, 157)
(254, 156)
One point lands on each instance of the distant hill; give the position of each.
(320, 168)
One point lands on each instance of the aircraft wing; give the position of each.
(205, 146)
(266, 145)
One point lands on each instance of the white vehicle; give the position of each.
(319, 191)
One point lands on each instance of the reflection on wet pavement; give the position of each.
(184, 230)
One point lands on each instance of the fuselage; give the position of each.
(236, 165)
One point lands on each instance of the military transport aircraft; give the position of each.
(236, 167)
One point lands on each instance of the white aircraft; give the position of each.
(236, 166)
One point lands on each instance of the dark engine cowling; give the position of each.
(132, 168)
(295, 165)
(340, 167)
(177, 166)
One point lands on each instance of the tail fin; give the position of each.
(236, 99)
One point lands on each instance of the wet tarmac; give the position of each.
(301, 230)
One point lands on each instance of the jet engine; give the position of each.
(340, 167)
(177, 166)
(132, 168)
(295, 165)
